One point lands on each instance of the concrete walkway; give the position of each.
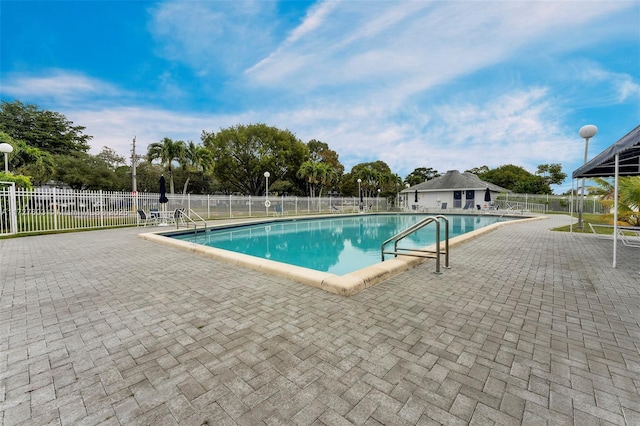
(529, 327)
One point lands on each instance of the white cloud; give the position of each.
(63, 86)
(412, 45)
(613, 87)
(213, 34)
(115, 126)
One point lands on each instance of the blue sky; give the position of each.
(445, 84)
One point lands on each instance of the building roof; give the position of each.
(628, 151)
(453, 180)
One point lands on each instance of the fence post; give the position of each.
(55, 210)
(102, 203)
(13, 209)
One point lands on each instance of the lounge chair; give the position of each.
(468, 206)
(629, 235)
(334, 209)
(144, 218)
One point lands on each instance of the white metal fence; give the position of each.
(51, 209)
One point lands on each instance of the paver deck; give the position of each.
(528, 327)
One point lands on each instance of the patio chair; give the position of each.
(278, 210)
(144, 218)
(178, 216)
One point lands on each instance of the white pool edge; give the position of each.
(344, 285)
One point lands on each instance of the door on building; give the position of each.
(470, 198)
(457, 199)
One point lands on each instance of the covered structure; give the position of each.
(620, 159)
(452, 190)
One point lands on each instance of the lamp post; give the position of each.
(359, 195)
(267, 203)
(406, 199)
(378, 201)
(6, 149)
(586, 132)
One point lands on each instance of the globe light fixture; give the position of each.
(267, 203)
(6, 149)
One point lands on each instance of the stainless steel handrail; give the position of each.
(419, 252)
(188, 217)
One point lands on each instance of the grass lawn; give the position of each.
(596, 219)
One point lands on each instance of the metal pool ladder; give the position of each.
(421, 252)
(185, 218)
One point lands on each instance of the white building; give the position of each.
(453, 190)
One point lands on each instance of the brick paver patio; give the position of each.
(529, 327)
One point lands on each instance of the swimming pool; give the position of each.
(338, 245)
(347, 284)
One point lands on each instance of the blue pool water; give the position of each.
(336, 245)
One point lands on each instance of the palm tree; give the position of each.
(629, 191)
(309, 171)
(327, 174)
(628, 198)
(196, 158)
(167, 151)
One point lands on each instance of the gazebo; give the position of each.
(620, 159)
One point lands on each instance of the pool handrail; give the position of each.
(418, 252)
(182, 215)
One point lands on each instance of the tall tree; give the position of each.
(319, 152)
(243, 154)
(551, 173)
(110, 157)
(421, 174)
(373, 176)
(46, 130)
(167, 151)
(478, 171)
(197, 159)
(516, 179)
(29, 161)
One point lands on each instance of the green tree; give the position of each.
(83, 171)
(319, 152)
(28, 160)
(243, 154)
(517, 179)
(197, 160)
(167, 151)
(421, 174)
(374, 175)
(309, 172)
(551, 173)
(110, 157)
(46, 130)
(628, 198)
(478, 171)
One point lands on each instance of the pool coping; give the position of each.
(344, 285)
